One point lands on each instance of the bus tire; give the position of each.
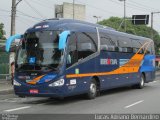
(92, 93)
(57, 98)
(21, 96)
(140, 85)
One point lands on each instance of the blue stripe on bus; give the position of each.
(148, 63)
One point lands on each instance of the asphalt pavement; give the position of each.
(120, 100)
(6, 87)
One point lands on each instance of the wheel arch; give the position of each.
(144, 75)
(97, 81)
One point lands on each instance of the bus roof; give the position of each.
(64, 24)
(77, 25)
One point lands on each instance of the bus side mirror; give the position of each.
(10, 40)
(62, 40)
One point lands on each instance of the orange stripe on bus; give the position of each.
(131, 66)
(34, 81)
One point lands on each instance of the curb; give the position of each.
(9, 87)
(5, 82)
(8, 91)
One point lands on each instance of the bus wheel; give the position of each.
(92, 93)
(21, 96)
(141, 83)
(56, 98)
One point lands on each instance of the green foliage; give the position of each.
(4, 63)
(2, 32)
(140, 30)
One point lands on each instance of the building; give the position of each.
(70, 11)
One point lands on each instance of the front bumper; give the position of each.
(43, 91)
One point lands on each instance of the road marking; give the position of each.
(20, 108)
(134, 104)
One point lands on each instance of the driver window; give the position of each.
(72, 50)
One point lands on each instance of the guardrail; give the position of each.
(5, 76)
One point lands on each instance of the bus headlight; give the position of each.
(59, 82)
(15, 83)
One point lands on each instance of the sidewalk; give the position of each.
(6, 87)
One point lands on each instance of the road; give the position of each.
(121, 100)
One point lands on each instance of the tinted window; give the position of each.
(94, 37)
(107, 43)
(105, 39)
(136, 46)
(150, 48)
(72, 50)
(86, 45)
(153, 49)
(125, 44)
(43, 36)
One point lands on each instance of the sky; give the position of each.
(29, 12)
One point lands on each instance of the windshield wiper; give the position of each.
(48, 66)
(23, 66)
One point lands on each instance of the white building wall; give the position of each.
(79, 11)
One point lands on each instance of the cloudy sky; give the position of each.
(30, 12)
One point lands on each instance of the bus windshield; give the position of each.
(39, 50)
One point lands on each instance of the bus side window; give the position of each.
(86, 45)
(152, 46)
(72, 50)
(125, 45)
(150, 49)
(136, 47)
(107, 44)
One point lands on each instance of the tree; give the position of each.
(140, 30)
(2, 32)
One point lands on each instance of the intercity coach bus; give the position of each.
(61, 57)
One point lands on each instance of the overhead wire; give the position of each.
(24, 14)
(97, 8)
(131, 6)
(143, 5)
(5, 15)
(36, 11)
(69, 11)
(3, 10)
(42, 4)
(24, 21)
(28, 19)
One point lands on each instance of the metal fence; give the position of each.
(4, 65)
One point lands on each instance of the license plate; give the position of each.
(33, 91)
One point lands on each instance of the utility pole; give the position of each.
(73, 9)
(152, 32)
(13, 24)
(13, 16)
(124, 14)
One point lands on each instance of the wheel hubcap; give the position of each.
(142, 81)
(93, 88)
